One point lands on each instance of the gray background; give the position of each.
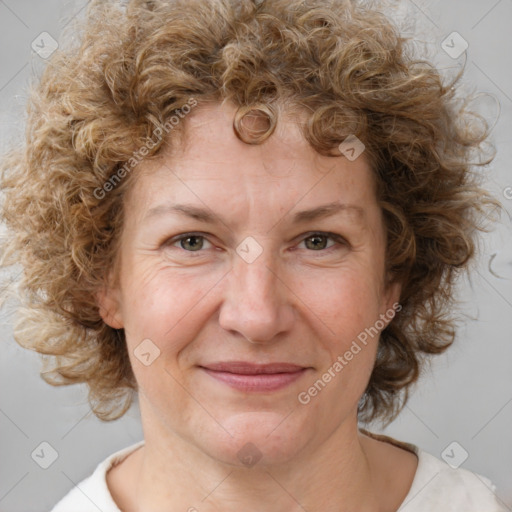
(465, 396)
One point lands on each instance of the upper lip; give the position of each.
(246, 368)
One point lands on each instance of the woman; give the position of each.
(252, 215)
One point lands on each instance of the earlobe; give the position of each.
(392, 303)
(395, 290)
(109, 307)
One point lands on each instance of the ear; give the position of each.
(393, 293)
(391, 301)
(109, 304)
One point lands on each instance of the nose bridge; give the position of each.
(258, 283)
(255, 304)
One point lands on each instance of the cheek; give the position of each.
(344, 301)
(346, 308)
(163, 304)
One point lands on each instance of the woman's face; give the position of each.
(254, 254)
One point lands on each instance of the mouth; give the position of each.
(250, 377)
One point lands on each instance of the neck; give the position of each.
(173, 474)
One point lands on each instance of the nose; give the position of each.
(256, 301)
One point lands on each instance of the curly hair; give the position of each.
(138, 64)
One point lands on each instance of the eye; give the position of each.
(318, 241)
(190, 242)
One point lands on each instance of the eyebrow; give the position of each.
(205, 215)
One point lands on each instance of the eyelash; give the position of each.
(333, 236)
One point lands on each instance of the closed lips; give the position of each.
(246, 368)
(255, 378)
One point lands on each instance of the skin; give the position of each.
(297, 302)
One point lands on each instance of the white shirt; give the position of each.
(436, 487)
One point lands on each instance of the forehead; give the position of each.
(212, 126)
(209, 161)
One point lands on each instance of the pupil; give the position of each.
(317, 238)
(194, 238)
(318, 241)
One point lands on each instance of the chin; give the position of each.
(258, 439)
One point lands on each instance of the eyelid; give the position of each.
(333, 236)
(182, 236)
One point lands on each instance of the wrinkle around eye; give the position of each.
(338, 240)
(172, 245)
(186, 237)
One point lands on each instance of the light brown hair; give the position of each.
(136, 65)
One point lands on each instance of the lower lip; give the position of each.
(260, 382)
